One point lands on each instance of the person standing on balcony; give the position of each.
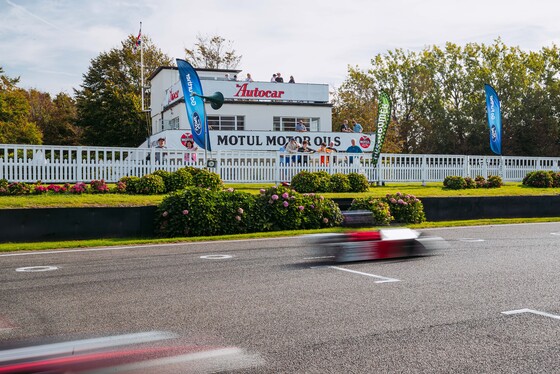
(357, 126)
(273, 79)
(300, 126)
(344, 127)
(249, 78)
(159, 154)
(292, 80)
(279, 78)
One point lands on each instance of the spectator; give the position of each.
(300, 126)
(344, 127)
(279, 78)
(305, 149)
(333, 150)
(227, 77)
(190, 156)
(357, 126)
(273, 79)
(159, 154)
(234, 77)
(292, 80)
(292, 147)
(324, 160)
(249, 78)
(353, 149)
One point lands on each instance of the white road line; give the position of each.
(519, 311)
(381, 279)
(32, 269)
(317, 257)
(216, 257)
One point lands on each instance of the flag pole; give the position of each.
(141, 66)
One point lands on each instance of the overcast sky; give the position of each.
(50, 43)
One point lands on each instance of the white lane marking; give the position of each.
(555, 233)
(470, 240)
(31, 269)
(317, 257)
(381, 279)
(519, 311)
(215, 257)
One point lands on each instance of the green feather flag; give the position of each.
(383, 119)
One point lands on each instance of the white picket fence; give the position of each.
(56, 164)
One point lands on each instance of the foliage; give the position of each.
(379, 209)
(165, 176)
(205, 178)
(15, 126)
(109, 99)
(438, 98)
(150, 184)
(98, 186)
(212, 52)
(469, 182)
(494, 181)
(178, 180)
(324, 184)
(405, 208)
(540, 179)
(480, 181)
(358, 182)
(131, 184)
(304, 182)
(340, 183)
(454, 182)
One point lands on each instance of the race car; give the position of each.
(374, 244)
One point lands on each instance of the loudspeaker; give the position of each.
(216, 99)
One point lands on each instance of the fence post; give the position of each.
(423, 170)
(79, 165)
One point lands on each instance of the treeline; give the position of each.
(439, 102)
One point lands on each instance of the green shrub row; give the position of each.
(455, 182)
(542, 179)
(159, 182)
(197, 211)
(321, 181)
(401, 208)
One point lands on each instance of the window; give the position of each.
(226, 122)
(289, 123)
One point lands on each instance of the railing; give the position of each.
(55, 164)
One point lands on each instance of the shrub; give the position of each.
(131, 184)
(324, 181)
(470, 183)
(540, 179)
(98, 186)
(165, 176)
(358, 182)
(151, 184)
(18, 188)
(78, 188)
(555, 179)
(495, 181)
(454, 182)
(480, 181)
(238, 212)
(340, 183)
(205, 179)
(405, 208)
(305, 182)
(179, 180)
(190, 212)
(4, 186)
(378, 208)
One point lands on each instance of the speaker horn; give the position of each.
(216, 99)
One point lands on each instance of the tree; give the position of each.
(439, 103)
(109, 101)
(212, 52)
(56, 118)
(15, 127)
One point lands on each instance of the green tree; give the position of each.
(109, 100)
(15, 127)
(56, 118)
(213, 52)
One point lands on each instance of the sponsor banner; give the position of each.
(194, 104)
(173, 93)
(267, 140)
(268, 91)
(494, 119)
(383, 119)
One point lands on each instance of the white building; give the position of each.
(255, 115)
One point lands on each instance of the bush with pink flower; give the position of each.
(405, 208)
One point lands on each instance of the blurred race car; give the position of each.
(374, 244)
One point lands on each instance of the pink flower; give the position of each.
(240, 210)
(285, 195)
(312, 206)
(165, 214)
(393, 201)
(274, 197)
(300, 207)
(321, 197)
(262, 190)
(285, 204)
(325, 220)
(400, 202)
(238, 218)
(185, 212)
(230, 189)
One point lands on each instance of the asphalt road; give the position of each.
(442, 314)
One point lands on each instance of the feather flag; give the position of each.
(383, 119)
(494, 119)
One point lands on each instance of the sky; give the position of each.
(50, 44)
